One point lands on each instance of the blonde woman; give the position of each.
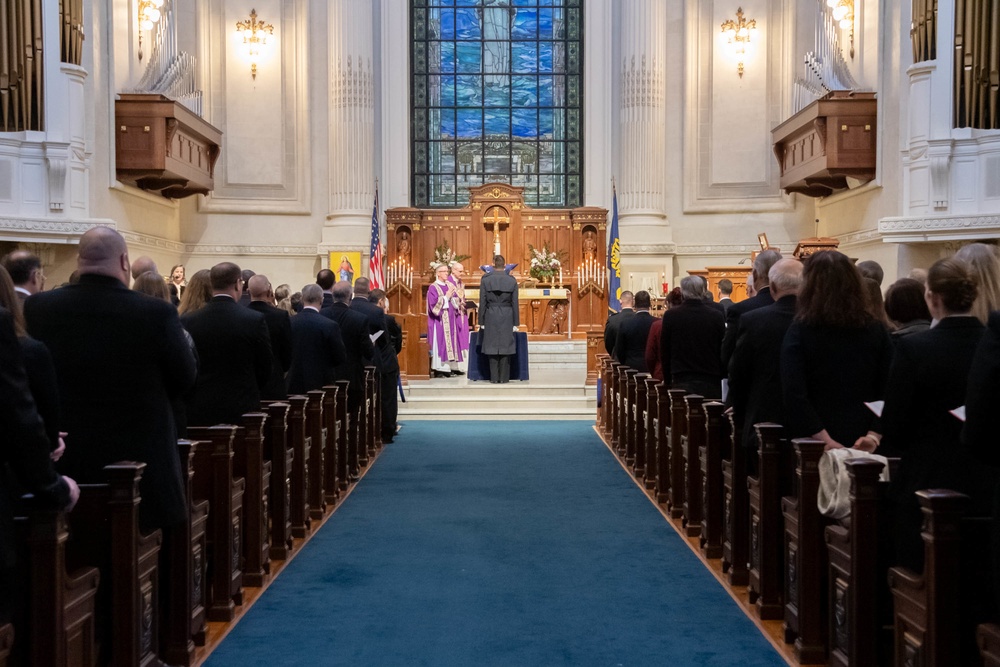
(984, 260)
(197, 294)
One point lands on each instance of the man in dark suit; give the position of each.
(499, 319)
(630, 343)
(690, 340)
(244, 297)
(761, 267)
(384, 354)
(279, 328)
(317, 347)
(120, 358)
(390, 366)
(614, 322)
(234, 350)
(24, 450)
(26, 272)
(358, 344)
(725, 293)
(325, 279)
(755, 373)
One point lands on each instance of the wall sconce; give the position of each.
(149, 15)
(738, 33)
(254, 35)
(843, 14)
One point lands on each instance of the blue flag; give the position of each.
(614, 259)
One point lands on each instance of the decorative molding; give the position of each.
(864, 237)
(152, 242)
(718, 249)
(939, 228)
(47, 230)
(649, 248)
(149, 241)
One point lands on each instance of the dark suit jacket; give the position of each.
(234, 350)
(42, 382)
(354, 332)
(980, 432)
(499, 313)
(385, 359)
(279, 328)
(317, 350)
(733, 314)
(827, 376)
(120, 356)
(24, 447)
(395, 334)
(630, 343)
(689, 343)
(725, 302)
(929, 376)
(754, 373)
(327, 300)
(613, 325)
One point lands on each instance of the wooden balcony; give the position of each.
(827, 143)
(163, 147)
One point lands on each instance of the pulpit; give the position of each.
(736, 274)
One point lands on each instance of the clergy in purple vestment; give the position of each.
(457, 271)
(442, 325)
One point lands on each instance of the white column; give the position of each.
(352, 124)
(642, 113)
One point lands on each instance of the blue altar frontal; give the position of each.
(479, 363)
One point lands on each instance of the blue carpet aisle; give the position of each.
(496, 543)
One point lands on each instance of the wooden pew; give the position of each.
(607, 389)
(301, 444)
(628, 436)
(692, 440)
(58, 626)
(618, 413)
(662, 482)
(651, 432)
(182, 612)
(639, 421)
(331, 426)
(678, 428)
(281, 457)
(805, 558)
(717, 434)
(854, 568)
(214, 482)
(364, 425)
(773, 482)
(104, 529)
(345, 436)
(602, 360)
(317, 454)
(372, 424)
(735, 511)
(250, 464)
(936, 611)
(6, 643)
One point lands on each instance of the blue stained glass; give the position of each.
(469, 56)
(467, 25)
(545, 57)
(497, 122)
(524, 123)
(444, 22)
(486, 72)
(469, 91)
(524, 57)
(442, 91)
(525, 24)
(545, 91)
(448, 123)
(497, 91)
(545, 24)
(470, 123)
(447, 57)
(525, 91)
(545, 123)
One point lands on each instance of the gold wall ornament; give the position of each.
(843, 14)
(738, 35)
(254, 35)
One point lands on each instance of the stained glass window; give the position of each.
(496, 96)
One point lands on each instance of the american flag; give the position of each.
(375, 261)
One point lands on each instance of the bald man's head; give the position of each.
(142, 265)
(260, 288)
(785, 277)
(103, 252)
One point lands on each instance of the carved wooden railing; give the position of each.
(923, 30)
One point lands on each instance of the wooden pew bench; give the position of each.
(281, 456)
(773, 482)
(691, 442)
(250, 464)
(301, 445)
(735, 511)
(331, 426)
(717, 436)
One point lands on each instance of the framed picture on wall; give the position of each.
(346, 264)
(762, 239)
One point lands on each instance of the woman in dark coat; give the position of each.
(928, 378)
(835, 356)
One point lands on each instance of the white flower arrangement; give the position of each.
(545, 263)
